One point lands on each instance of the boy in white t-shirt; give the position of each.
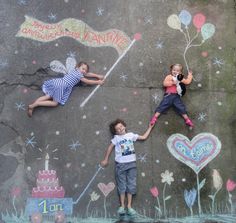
(125, 162)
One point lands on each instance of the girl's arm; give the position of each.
(189, 79)
(91, 82)
(146, 134)
(168, 81)
(105, 161)
(98, 76)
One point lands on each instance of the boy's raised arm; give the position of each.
(146, 134)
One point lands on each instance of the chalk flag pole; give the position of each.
(92, 179)
(137, 36)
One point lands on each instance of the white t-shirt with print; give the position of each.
(124, 147)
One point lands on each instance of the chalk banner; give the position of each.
(45, 32)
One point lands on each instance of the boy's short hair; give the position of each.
(113, 125)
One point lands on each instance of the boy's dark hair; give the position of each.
(113, 125)
(81, 63)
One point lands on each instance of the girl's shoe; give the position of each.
(121, 210)
(131, 212)
(153, 120)
(189, 122)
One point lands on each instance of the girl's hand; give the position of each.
(100, 82)
(190, 72)
(100, 77)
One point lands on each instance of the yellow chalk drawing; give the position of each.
(44, 32)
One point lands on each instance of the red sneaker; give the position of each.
(153, 120)
(189, 122)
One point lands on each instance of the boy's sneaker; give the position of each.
(121, 210)
(131, 211)
(189, 122)
(153, 120)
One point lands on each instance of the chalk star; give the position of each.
(218, 62)
(156, 97)
(202, 117)
(20, 106)
(52, 16)
(142, 158)
(159, 44)
(30, 141)
(148, 19)
(99, 11)
(123, 77)
(71, 54)
(74, 145)
(3, 63)
(22, 2)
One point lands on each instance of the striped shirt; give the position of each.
(60, 88)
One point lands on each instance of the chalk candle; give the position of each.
(46, 161)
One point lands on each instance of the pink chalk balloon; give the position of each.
(137, 36)
(198, 21)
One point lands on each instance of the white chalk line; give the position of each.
(107, 74)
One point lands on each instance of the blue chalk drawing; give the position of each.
(30, 141)
(74, 145)
(99, 11)
(190, 197)
(218, 62)
(52, 17)
(20, 106)
(202, 117)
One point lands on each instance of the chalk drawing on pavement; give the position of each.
(184, 19)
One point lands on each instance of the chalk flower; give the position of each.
(230, 185)
(167, 177)
(190, 197)
(16, 191)
(94, 196)
(217, 180)
(154, 191)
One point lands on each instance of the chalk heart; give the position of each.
(198, 152)
(106, 188)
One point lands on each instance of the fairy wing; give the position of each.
(58, 67)
(70, 63)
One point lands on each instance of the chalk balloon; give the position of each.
(174, 22)
(207, 31)
(198, 21)
(185, 17)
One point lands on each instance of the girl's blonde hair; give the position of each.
(177, 64)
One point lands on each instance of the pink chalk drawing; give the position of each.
(36, 218)
(198, 21)
(207, 30)
(106, 189)
(15, 192)
(230, 186)
(155, 193)
(196, 154)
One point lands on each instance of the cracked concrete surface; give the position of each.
(76, 138)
